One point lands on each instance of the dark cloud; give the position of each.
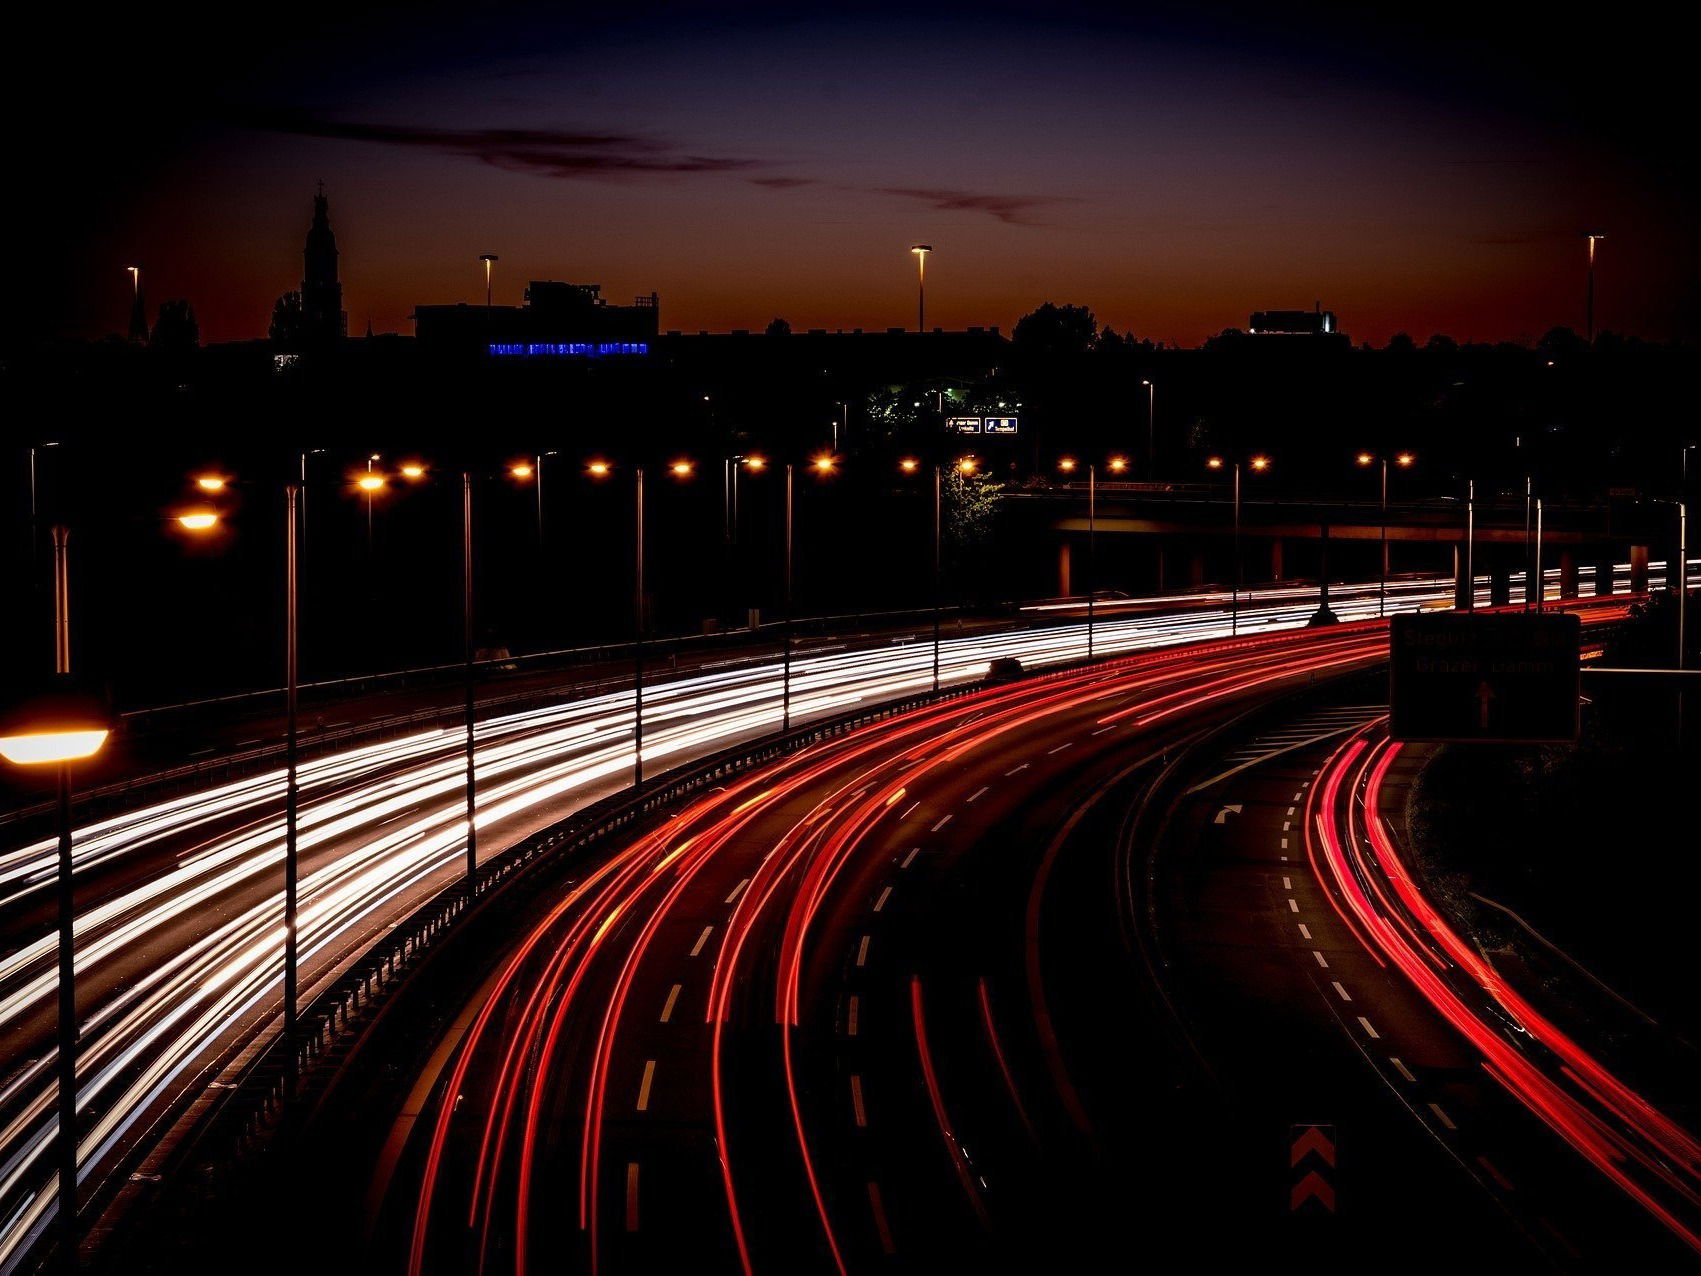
(559, 153)
(1013, 209)
(782, 183)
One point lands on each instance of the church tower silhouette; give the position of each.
(323, 319)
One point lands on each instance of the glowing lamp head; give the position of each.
(40, 747)
(1405, 458)
(1365, 458)
(1067, 465)
(967, 465)
(823, 464)
(210, 482)
(1260, 463)
(413, 471)
(756, 463)
(1214, 463)
(370, 483)
(599, 469)
(198, 520)
(522, 470)
(681, 469)
(909, 465)
(1118, 464)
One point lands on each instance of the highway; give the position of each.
(807, 1023)
(179, 931)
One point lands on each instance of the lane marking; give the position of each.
(884, 896)
(851, 1016)
(1102, 730)
(910, 809)
(862, 951)
(1013, 770)
(1369, 1028)
(1305, 931)
(737, 891)
(1287, 883)
(942, 823)
(856, 1102)
(880, 1224)
(1402, 1069)
(1291, 810)
(1504, 1182)
(631, 1196)
(910, 858)
(981, 792)
(644, 1085)
(1286, 825)
(1442, 1116)
(1297, 796)
(1321, 959)
(1060, 748)
(1284, 844)
(1344, 994)
(1293, 905)
(701, 940)
(672, 998)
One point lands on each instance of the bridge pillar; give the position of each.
(1603, 576)
(1161, 564)
(1064, 575)
(1461, 585)
(1499, 586)
(1638, 569)
(1276, 572)
(1568, 573)
(1196, 568)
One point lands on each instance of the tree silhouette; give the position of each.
(176, 328)
(1053, 332)
(1401, 343)
(778, 328)
(285, 329)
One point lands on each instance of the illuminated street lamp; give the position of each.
(921, 251)
(489, 260)
(967, 465)
(198, 520)
(1151, 431)
(211, 482)
(909, 465)
(1592, 236)
(413, 471)
(1117, 464)
(1258, 463)
(1404, 460)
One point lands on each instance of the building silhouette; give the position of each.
(323, 319)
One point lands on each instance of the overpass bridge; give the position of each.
(1181, 535)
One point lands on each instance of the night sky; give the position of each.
(1174, 168)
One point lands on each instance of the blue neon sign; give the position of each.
(566, 349)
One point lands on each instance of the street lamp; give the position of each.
(1067, 465)
(1404, 460)
(489, 260)
(1592, 236)
(211, 482)
(198, 520)
(1151, 430)
(921, 251)
(1258, 464)
(909, 465)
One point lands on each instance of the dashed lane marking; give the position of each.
(862, 951)
(631, 1196)
(1102, 730)
(910, 858)
(1304, 930)
(1293, 905)
(1401, 1068)
(910, 809)
(737, 891)
(1013, 770)
(1442, 1116)
(1287, 883)
(1321, 959)
(856, 1102)
(942, 823)
(701, 940)
(880, 1224)
(852, 1013)
(1493, 1173)
(884, 896)
(980, 792)
(672, 1000)
(1369, 1028)
(644, 1085)
(1059, 749)
(1340, 990)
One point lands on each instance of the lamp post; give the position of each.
(1592, 236)
(489, 260)
(1258, 464)
(468, 650)
(292, 791)
(1470, 544)
(921, 251)
(34, 509)
(67, 730)
(1403, 460)
(1151, 430)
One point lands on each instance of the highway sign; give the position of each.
(1488, 676)
(1002, 424)
(963, 424)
